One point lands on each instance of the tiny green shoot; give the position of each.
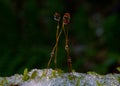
(78, 82)
(34, 74)
(98, 83)
(118, 68)
(25, 75)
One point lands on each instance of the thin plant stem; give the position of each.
(53, 50)
(69, 57)
(56, 50)
(67, 49)
(63, 28)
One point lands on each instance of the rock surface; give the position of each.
(49, 77)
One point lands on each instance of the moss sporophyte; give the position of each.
(64, 28)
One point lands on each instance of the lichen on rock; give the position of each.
(50, 77)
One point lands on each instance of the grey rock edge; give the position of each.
(50, 77)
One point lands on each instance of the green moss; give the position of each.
(73, 70)
(60, 72)
(25, 75)
(118, 68)
(3, 82)
(34, 74)
(53, 75)
(71, 77)
(98, 83)
(44, 73)
(78, 82)
(93, 73)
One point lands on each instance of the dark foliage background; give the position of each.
(27, 35)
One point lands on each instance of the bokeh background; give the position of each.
(27, 35)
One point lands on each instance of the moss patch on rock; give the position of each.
(50, 77)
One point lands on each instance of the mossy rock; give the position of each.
(50, 77)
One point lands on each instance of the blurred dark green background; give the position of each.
(27, 35)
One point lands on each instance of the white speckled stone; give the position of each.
(63, 79)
